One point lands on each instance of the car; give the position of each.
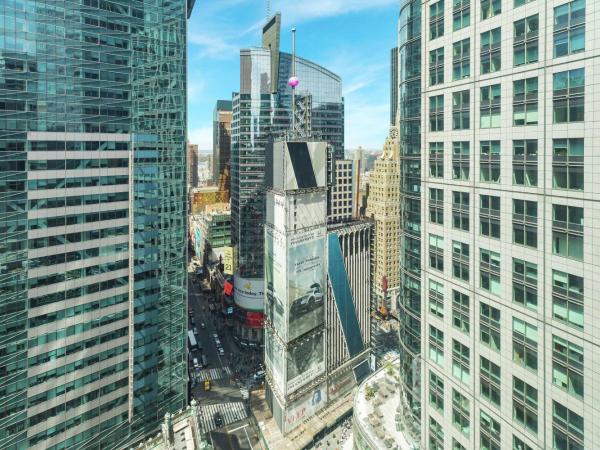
(218, 418)
(217, 343)
(311, 299)
(202, 325)
(215, 336)
(204, 361)
(259, 376)
(193, 321)
(196, 363)
(195, 330)
(190, 312)
(221, 351)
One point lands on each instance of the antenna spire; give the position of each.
(268, 9)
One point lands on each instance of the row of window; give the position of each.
(567, 222)
(567, 162)
(568, 103)
(568, 33)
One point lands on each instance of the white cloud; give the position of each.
(304, 10)
(203, 137)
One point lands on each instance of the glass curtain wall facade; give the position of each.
(92, 221)
(409, 300)
(258, 115)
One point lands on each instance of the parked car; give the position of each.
(195, 330)
(259, 376)
(218, 418)
(196, 363)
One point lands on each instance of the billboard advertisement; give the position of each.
(274, 359)
(275, 264)
(248, 293)
(341, 383)
(304, 408)
(306, 282)
(306, 360)
(198, 242)
(228, 260)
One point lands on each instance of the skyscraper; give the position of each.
(393, 85)
(221, 139)
(261, 111)
(499, 348)
(92, 214)
(192, 165)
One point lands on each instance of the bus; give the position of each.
(192, 339)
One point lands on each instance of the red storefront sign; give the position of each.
(255, 319)
(228, 288)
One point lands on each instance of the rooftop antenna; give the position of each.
(268, 9)
(293, 81)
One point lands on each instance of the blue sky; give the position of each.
(352, 38)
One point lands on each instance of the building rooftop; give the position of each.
(376, 410)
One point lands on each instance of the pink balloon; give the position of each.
(293, 82)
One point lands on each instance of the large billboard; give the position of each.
(304, 408)
(306, 282)
(249, 293)
(275, 361)
(228, 260)
(275, 272)
(306, 360)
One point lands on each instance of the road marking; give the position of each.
(238, 428)
(213, 374)
(230, 412)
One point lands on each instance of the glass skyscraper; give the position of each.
(92, 220)
(262, 110)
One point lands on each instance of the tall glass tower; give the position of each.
(261, 111)
(92, 220)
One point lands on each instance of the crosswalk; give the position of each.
(213, 374)
(230, 412)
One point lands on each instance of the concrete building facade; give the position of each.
(341, 205)
(499, 251)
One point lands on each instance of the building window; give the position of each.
(522, 2)
(567, 366)
(457, 445)
(490, 380)
(525, 403)
(461, 14)
(525, 223)
(489, 432)
(461, 59)
(567, 428)
(525, 162)
(490, 8)
(436, 298)
(436, 206)
(567, 298)
(436, 435)
(489, 326)
(489, 216)
(436, 20)
(525, 45)
(460, 311)
(436, 391)
(460, 210)
(436, 66)
(490, 51)
(436, 252)
(567, 231)
(436, 345)
(518, 444)
(489, 161)
(489, 109)
(568, 96)
(460, 110)
(461, 161)
(436, 159)
(525, 102)
(569, 28)
(436, 113)
(525, 283)
(567, 164)
(525, 338)
(490, 271)
(460, 260)
(460, 412)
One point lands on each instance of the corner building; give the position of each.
(92, 221)
(508, 203)
(262, 110)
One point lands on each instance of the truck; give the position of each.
(192, 341)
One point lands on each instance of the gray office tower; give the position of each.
(92, 221)
(393, 86)
(261, 111)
